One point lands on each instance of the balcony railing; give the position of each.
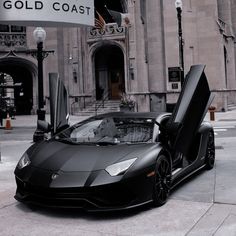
(110, 31)
(13, 40)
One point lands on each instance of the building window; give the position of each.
(18, 29)
(143, 11)
(12, 36)
(111, 5)
(4, 28)
(12, 29)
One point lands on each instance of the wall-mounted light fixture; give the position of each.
(75, 75)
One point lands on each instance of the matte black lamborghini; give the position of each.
(121, 160)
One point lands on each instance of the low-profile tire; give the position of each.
(210, 151)
(162, 181)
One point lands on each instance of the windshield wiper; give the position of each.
(65, 140)
(106, 143)
(70, 141)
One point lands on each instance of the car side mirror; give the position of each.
(44, 126)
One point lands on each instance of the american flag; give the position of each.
(99, 21)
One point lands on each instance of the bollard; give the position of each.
(212, 110)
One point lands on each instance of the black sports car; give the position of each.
(121, 160)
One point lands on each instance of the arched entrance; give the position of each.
(109, 72)
(22, 72)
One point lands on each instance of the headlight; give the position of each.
(24, 161)
(120, 167)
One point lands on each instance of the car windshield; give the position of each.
(109, 130)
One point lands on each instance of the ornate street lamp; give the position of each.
(40, 36)
(179, 6)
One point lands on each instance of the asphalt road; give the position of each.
(204, 205)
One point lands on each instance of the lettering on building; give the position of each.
(39, 5)
(47, 12)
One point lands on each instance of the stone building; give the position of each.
(136, 60)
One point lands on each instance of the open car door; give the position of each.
(58, 104)
(190, 110)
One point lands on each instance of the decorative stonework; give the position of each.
(110, 31)
(221, 24)
(13, 40)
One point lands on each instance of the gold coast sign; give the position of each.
(47, 12)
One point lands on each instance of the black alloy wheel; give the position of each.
(162, 181)
(210, 151)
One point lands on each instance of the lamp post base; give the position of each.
(39, 134)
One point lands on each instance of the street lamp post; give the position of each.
(40, 36)
(179, 6)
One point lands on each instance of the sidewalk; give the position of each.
(221, 119)
(31, 120)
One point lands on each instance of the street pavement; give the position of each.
(203, 205)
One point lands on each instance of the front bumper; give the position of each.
(109, 195)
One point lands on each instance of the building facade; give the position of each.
(98, 64)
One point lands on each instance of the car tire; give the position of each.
(162, 181)
(210, 151)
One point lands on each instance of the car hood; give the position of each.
(55, 155)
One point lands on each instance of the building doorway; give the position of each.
(22, 75)
(109, 72)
